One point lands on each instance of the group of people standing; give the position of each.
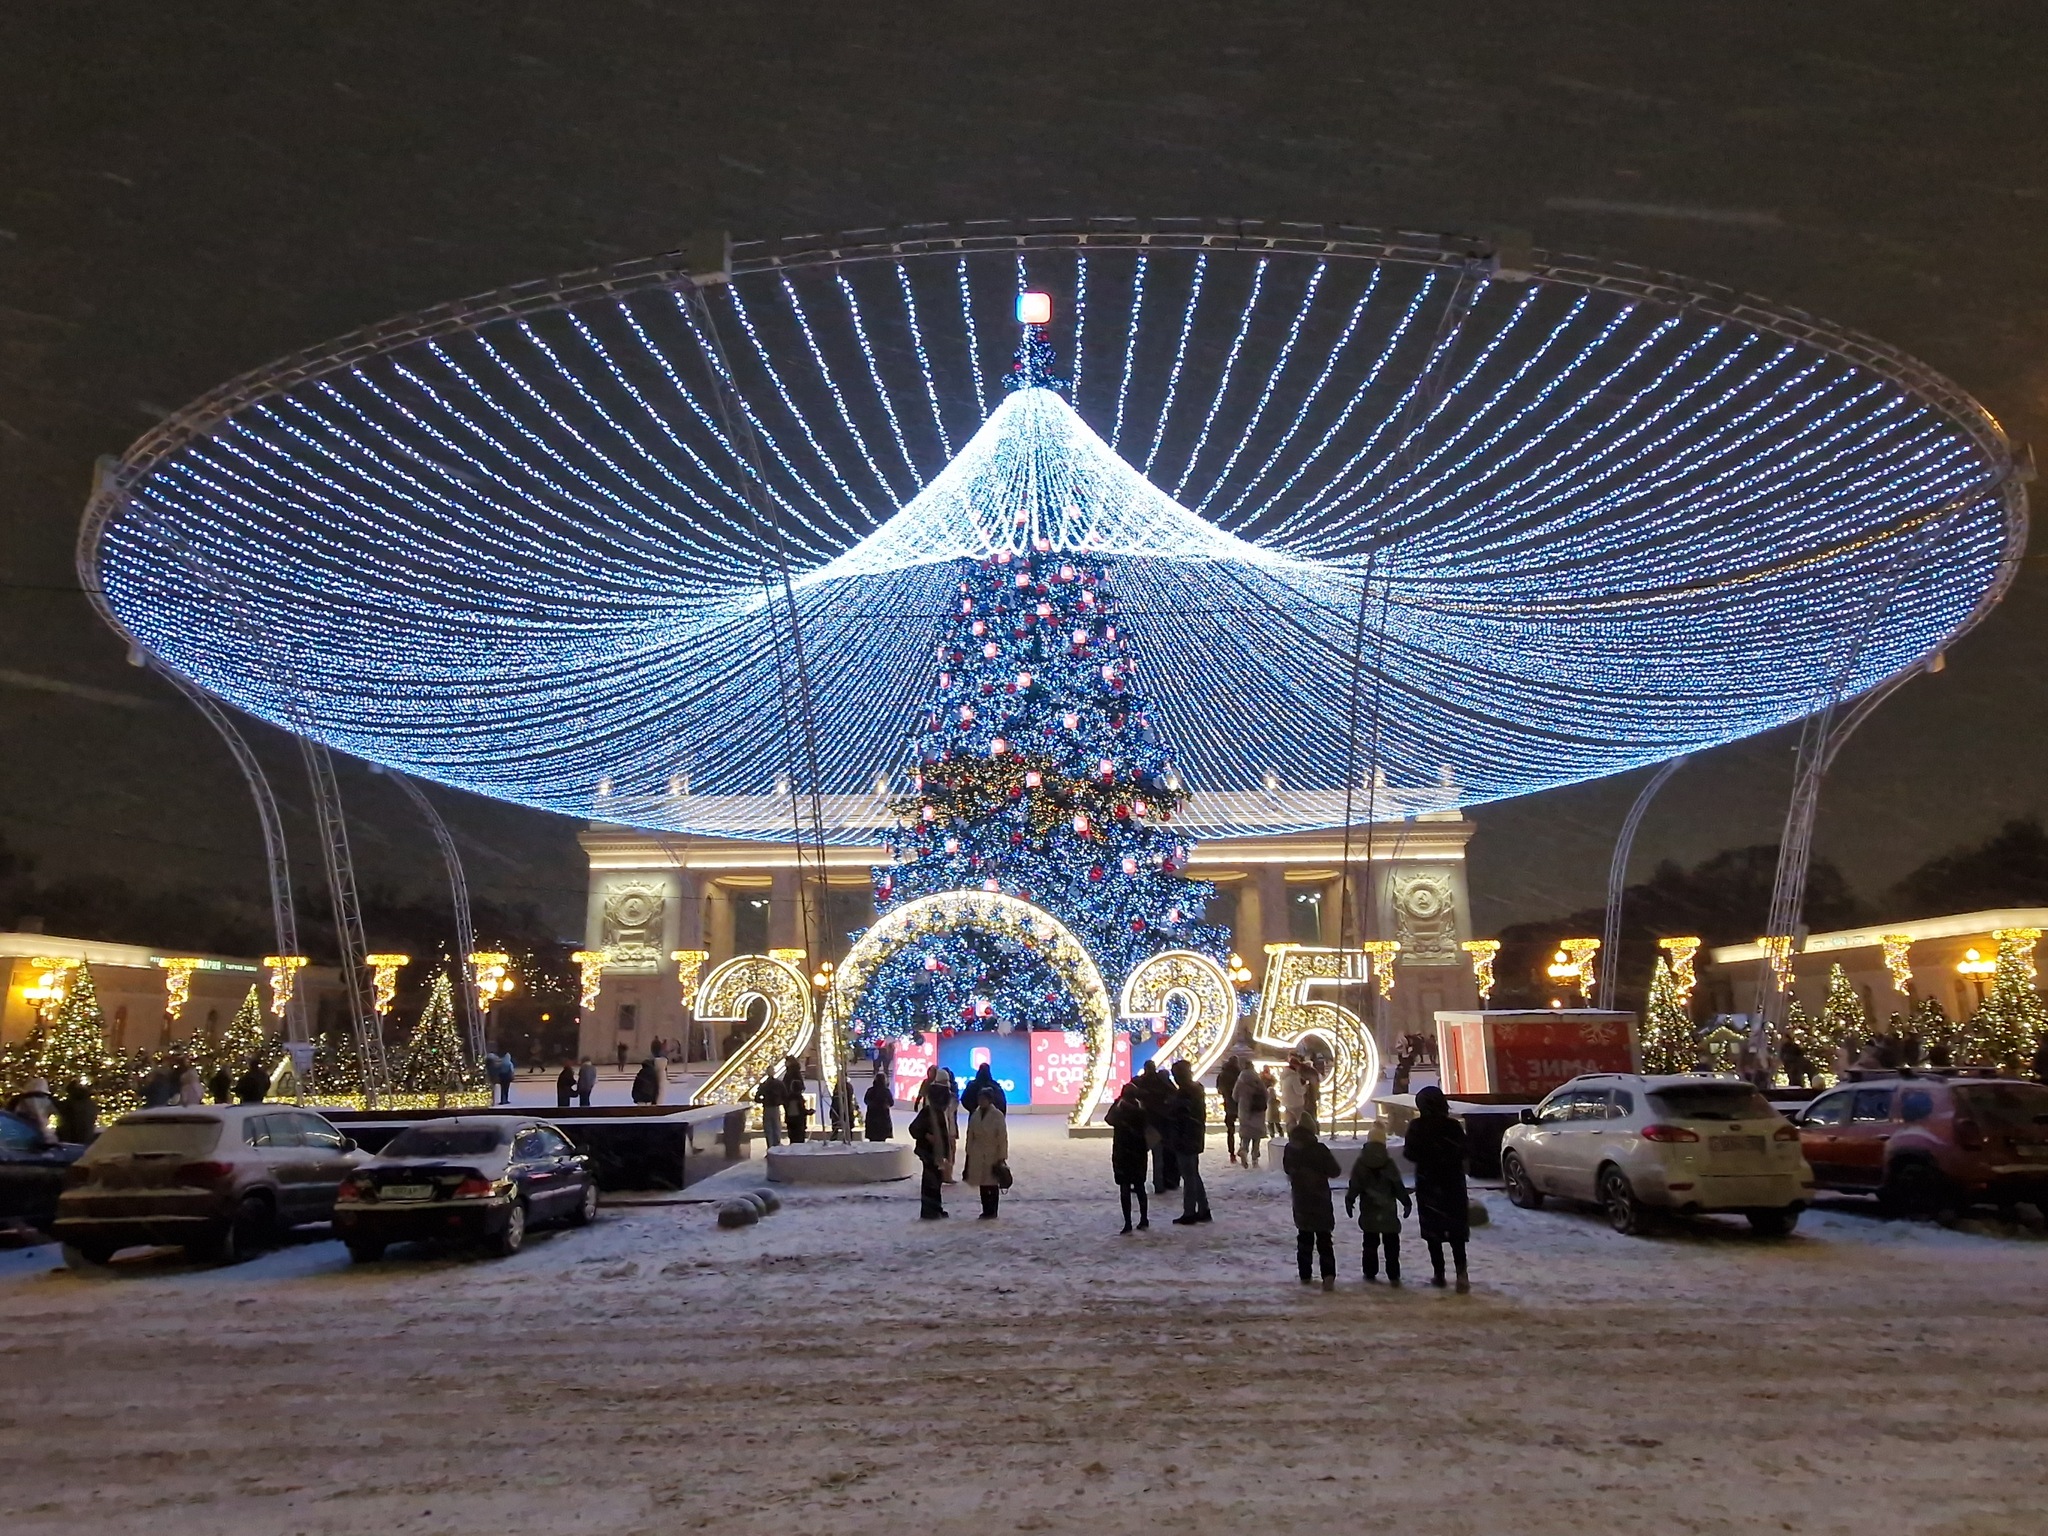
(1160, 1120)
(171, 1083)
(935, 1137)
(1377, 1197)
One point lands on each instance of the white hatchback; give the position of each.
(1642, 1144)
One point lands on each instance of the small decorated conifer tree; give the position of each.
(72, 1046)
(1670, 1043)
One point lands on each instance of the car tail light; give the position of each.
(204, 1173)
(351, 1189)
(1669, 1133)
(1785, 1133)
(473, 1188)
(1969, 1134)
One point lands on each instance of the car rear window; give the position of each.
(1712, 1101)
(2005, 1106)
(190, 1136)
(459, 1141)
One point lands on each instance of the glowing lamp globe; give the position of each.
(1034, 309)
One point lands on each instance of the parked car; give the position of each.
(31, 1173)
(472, 1178)
(1924, 1143)
(219, 1181)
(1639, 1145)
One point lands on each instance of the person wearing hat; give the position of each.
(1435, 1144)
(1372, 1195)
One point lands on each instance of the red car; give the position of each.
(1925, 1143)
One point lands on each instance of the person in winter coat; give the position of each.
(988, 1151)
(769, 1097)
(35, 1105)
(981, 1086)
(1312, 1094)
(160, 1087)
(1188, 1118)
(943, 1096)
(796, 1102)
(622, 1055)
(1435, 1144)
(647, 1083)
(1128, 1152)
(1154, 1089)
(1226, 1085)
(924, 1141)
(1375, 1189)
(565, 1086)
(252, 1087)
(586, 1082)
(1253, 1095)
(1291, 1092)
(878, 1101)
(1309, 1166)
(221, 1086)
(77, 1116)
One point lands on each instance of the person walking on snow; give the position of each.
(1291, 1089)
(1374, 1191)
(1128, 1152)
(1435, 1144)
(878, 1101)
(769, 1096)
(586, 1082)
(1188, 1113)
(1309, 1166)
(647, 1083)
(988, 1148)
(925, 1141)
(796, 1102)
(1226, 1084)
(1254, 1095)
(1154, 1089)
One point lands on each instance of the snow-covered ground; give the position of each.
(843, 1366)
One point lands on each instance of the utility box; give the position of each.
(1522, 1054)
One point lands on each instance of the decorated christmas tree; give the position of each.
(436, 1056)
(2005, 1031)
(1037, 769)
(1844, 1026)
(72, 1046)
(1930, 1021)
(1670, 1043)
(244, 1037)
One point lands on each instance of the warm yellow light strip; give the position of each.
(1682, 951)
(1482, 952)
(786, 1031)
(689, 967)
(1898, 948)
(589, 975)
(384, 971)
(284, 980)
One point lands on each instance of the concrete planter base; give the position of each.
(831, 1162)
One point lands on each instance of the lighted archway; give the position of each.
(1005, 916)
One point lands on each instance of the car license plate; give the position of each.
(1736, 1143)
(407, 1192)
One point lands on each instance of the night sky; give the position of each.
(187, 191)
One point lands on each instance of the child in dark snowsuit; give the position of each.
(1374, 1191)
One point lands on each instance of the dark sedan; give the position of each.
(474, 1178)
(31, 1173)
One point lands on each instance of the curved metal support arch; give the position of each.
(1617, 877)
(348, 916)
(276, 857)
(465, 923)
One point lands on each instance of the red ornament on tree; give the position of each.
(1095, 873)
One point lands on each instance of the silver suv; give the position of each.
(1638, 1145)
(218, 1181)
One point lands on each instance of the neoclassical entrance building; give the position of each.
(654, 893)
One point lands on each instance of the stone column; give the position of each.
(1268, 885)
(785, 918)
(718, 937)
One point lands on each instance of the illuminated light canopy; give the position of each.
(384, 971)
(284, 980)
(1607, 517)
(1483, 953)
(589, 965)
(1683, 951)
(177, 984)
(1898, 951)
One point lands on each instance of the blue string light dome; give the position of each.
(1393, 530)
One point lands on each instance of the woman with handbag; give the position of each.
(988, 1151)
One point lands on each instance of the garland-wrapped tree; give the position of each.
(1037, 769)
(436, 1056)
(2005, 1031)
(244, 1037)
(1844, 1025)
(1930, 1021)
(1670, 1043)
(72, 1046)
